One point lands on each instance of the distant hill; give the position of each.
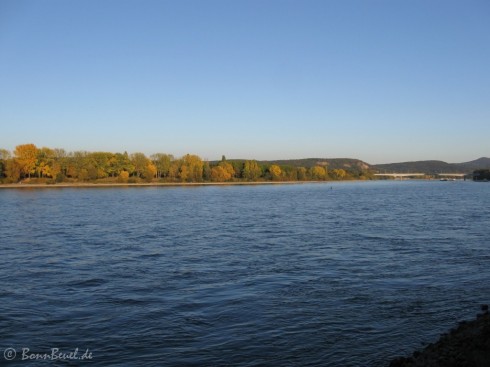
(355, 165)
(432, 167)
(330, 163)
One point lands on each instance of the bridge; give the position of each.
(408, 175)
(400, 175)
(452, 174)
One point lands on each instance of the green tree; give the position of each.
(140, 163)
(206, 171)
(120, 162)
(100, 164)
(45, 165)
(4, 157)
(301, 173)
(162, 163)
(251, 170)
(77, 165)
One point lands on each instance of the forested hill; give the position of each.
(431, 167)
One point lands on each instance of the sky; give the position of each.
(378, 80)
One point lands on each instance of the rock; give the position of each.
(468, 345)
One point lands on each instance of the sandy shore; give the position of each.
(468, 345)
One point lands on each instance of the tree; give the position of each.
(206, 171)
(26, 156)
(318, 173)
(193, 168)
(222, 172)
(338, 174)
(275, 172)
(301, 173)
(219, 174)
(251, 170)
(481, 175)
(4, 156)
(123, 176)
(45, 162)
(174, 170)
(77, 165)
(12, 170)
(162, 163)
(140, 163)
(100, 164)
(150, 172)
(61, 160)
(119, 163)
(230, 171)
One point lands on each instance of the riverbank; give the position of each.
(150, 184)
(468, 345)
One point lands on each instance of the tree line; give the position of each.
(30, 164)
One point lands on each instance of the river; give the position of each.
(331, 274)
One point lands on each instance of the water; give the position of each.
(343, 274)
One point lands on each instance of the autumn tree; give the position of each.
(191, 168)
(77, 164)
(13, 170)
(4, 157)
(140, 163)
(206, 171)
(60, 164)
(289, 173)
(318, 173)
(123, 176)
(338, 173)
(162, 163)
(118, 163)
(99, 164)
(26, 157)
(251, 170)
(219, 174)
(228, 168)
(275, 172)
(174, 170)
(150, 171)
(45, 164)
(301, 173)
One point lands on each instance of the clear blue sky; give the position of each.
(379, 80)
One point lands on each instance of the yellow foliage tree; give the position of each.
(123, 176)
(194, 168)
(251, 170)
(228, 168)
(26, 156)
(318, 173)
(220, 174)
(275, 172)
(339, 174)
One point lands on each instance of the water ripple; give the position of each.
(299, 275)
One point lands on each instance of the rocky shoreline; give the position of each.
(468, 345)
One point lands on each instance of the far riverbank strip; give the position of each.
(161, 184)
